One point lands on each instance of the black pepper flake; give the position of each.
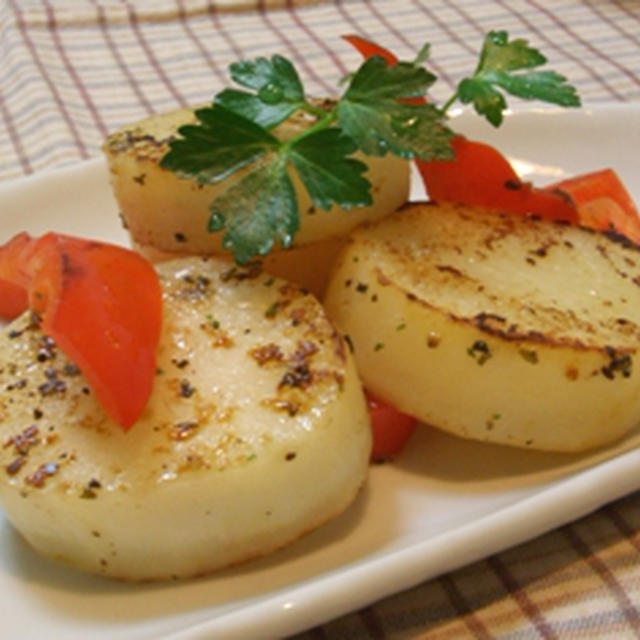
(18, 384)
(37, 414)
(619, 363)
(362, 287)
(71, 369)
(46, 349)
(247, 272)
(181, 363)
(140, 178)
(179, 237)
(290, 455)
(186, 389)
(53, 383)
(480, 351)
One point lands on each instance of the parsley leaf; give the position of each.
(499, 59)
(382, 110)
(279, 91)
(376, 79)
(372, 114)
(257, 209)
(327, 173)
(250, 106)
(222, 143)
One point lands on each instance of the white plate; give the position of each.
(443, 504)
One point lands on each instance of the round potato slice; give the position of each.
(168, 213)
(496, 328)
(256, 433)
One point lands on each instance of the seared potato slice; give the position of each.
(168, 213)
(492, 327)
(256, 432)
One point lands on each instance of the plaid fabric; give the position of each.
(73, 70)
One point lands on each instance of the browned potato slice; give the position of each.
(256, 432)
(496, 328)
(170, 214)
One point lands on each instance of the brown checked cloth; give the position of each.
(73, 70)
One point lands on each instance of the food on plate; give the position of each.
(167, 215)
(495, 327)
(263, 166)
(390, 428)
(255, 433)
(99, 302)
(247, 424)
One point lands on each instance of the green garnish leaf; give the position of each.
(250, 106)
(508, 64)
(372, 113)
(258, 209)
(327, 172)
(279, 91)
(404, 129)
(382, 110)
(376, 79)
(219, 145)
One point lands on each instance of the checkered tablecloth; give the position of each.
(73, 70)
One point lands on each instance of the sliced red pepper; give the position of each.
(368, 48)
(479, 175)
(391, 428)
(602, 201)
(13, 294)
(102, 305)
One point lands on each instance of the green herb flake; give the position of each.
(530, 355)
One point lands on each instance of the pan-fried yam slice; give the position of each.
(256, 432)
(496, 328)
(169, 213)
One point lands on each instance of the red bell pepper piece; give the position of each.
(602, 201)
(391, 428)
(368, 48)
(102, 305)
(479, 175)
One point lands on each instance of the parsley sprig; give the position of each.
(380, 111)
(511, 65)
